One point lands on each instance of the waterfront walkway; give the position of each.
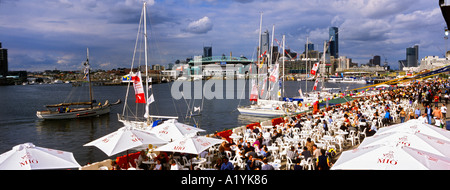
(288, 142)
(348, 125)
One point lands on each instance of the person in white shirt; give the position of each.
(423, 118)
(174, 165)
(438, 122)
(444, 111)
(158, 165)
(373, 129)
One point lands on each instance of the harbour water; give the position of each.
(19, 124)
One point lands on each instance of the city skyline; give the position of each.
(51, 34)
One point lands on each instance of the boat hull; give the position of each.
(260, 112)
(88, 112)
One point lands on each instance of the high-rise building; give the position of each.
(207, 51)
(412, 56)
(3, 62)
(333, 48)
(376, 60)
(309, 46)
(265, 43)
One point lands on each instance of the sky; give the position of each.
(54, 34)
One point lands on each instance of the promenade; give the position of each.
(285, 142)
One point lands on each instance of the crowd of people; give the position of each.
(359, 118)
(363, 116)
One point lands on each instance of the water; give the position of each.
(19, 124)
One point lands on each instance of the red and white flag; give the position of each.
(314, 69)
(315, 84)
(254, 92)
(262, 55)
(274, 73)
(138, 88)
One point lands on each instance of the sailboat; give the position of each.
(63, 110)
(325, 94)
(146, 121)
(268, 106)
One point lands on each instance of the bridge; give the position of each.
(222, 60)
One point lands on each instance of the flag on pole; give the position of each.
(86, 73)
(151, 99)
(274, 73)
(315, 84)
(254, 92)
(314, 69)
(262, 55)
(264, 86)
(126, 78)
(138, 88)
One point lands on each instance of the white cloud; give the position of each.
(201, 26)
(418, 18)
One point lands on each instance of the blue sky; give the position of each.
(49, 34)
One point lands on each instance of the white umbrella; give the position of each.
(380, 157)
(190, 145)
(123, 139)
(414, 140)
(382, 85)
(27, 156)
(415, 126)
(172, 130)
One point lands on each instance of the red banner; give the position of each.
(138, 88)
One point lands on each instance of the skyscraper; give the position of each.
(310, 46)
(412, 56)
(3, 62)
(207, 51)
(333, 48)
(376, 60)
(265, 43)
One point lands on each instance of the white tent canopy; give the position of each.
(190, 145)
(381, 157)
(415, 126)
(27, 156)
(418, 141)
(123, 139)
(172, 130)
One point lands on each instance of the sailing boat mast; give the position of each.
(307, 49)
(269, 91)
(283, 61)
(146, 64)
(259, 39)
(271, 47)
(88, 67)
